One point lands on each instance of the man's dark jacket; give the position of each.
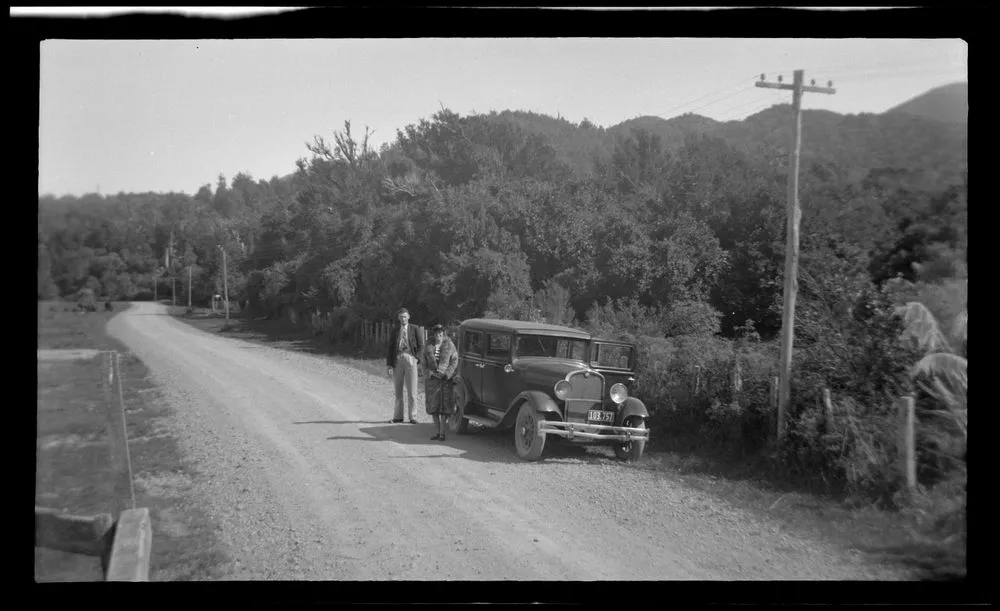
(416, 347)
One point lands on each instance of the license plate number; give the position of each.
(595, 415)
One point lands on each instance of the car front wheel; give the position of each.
(631, 451)
(526, 436)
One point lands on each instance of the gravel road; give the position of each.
(309, 482)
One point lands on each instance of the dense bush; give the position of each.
(688, 384)
(848, 341)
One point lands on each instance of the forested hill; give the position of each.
(919, 136)
(520, 214)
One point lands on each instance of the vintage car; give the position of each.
(543, 380)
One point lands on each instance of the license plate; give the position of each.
(600, 416)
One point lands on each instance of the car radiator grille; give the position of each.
(587, 387)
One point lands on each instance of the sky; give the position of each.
(171, 115)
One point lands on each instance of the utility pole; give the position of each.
(225, 283)
(173, 276)
(792, 239)
(189, 287)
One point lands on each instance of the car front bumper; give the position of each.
(597, 432)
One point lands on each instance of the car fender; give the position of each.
(631, 407)
(541, 402)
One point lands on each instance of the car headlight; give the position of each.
(619, 393)
(562, 389)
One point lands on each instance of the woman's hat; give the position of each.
(437, 328)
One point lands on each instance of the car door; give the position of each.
(470, 364)
(497, 382)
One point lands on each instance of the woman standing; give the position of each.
(441, 361)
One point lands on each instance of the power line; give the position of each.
(729, 97)
(770, 96)
(728, 87)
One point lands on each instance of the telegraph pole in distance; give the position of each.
(792, 239)
(173, 275)
(225, 283)
(189, 287)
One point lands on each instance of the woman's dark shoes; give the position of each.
(435, 438)
(441, 437)
(412, 421)
(395, 420)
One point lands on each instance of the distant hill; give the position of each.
(948, 104)
(935, 149)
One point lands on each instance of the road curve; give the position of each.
(308, 481)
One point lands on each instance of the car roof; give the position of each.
(521, 326)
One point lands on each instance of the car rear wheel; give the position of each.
(457, 423)
(631, 451)
(528, 441)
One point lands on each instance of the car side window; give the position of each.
(473, 343)
(611, 355)
(499, 346)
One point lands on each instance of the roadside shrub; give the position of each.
(554, 303)
(616, 316)
(939, 517)
(691, 318)
(847, 341)
(714, 412)
(855, 451)
(85, 298)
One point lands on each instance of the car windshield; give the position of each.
(551, 346)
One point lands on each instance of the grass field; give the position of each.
(878, 533)
(72, 465)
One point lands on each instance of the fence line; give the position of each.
(376, 333)
(118, 434)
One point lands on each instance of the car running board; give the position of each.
(481, 421)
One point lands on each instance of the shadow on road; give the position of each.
(341, 422)
(480, 445)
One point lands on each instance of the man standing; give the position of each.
(403, 358)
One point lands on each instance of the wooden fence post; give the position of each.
(737, 378)
(907, 446)
(773, 395)
(131, 550)
(697, 379)
(827, 408)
